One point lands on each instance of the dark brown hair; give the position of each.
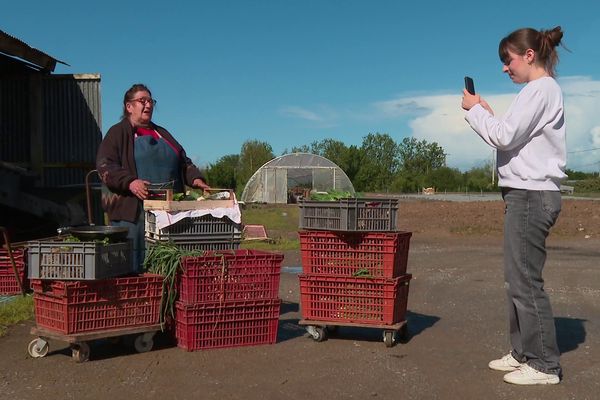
(130, 94)
(543, 42)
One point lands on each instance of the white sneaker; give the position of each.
(506, 363)
(526, 375)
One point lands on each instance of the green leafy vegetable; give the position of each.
(165, 259)
(71, 238)
(362, 273)
(331, 195)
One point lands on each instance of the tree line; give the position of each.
(379, 164)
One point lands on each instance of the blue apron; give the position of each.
(157, 162)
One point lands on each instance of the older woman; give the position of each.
(134, 153)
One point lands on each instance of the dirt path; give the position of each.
(456, 321)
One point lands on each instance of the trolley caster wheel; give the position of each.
(143, 343)
(318, 333)
(389, 338)
(38, 348)
(80, 352)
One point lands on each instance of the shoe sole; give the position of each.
(539, 382)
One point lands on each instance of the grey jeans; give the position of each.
(529, 215)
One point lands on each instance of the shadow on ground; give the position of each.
(570, 332)
(417, 323)
(288, 327)
(115, 347)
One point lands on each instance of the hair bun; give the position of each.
(554, 35)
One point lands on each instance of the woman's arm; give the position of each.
(110, 165)
(523, 119)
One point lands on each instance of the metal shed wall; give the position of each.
(51, 124)
(72, 127)
(14, 120)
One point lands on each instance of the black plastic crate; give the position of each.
(62, 260)
(353, 215)
(199, 244)
(193, 228)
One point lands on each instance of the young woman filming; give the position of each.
(531, 148)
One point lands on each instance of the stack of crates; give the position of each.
(353, 261)
(228, 299)
(195, 233)
(78, 287)
(71, 307)
(8, 281)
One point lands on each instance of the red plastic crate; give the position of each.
(8, 282)
(87, 306)
(380, 255)
(229, 324)
(376, 301)
(78, 292)
(18, 255)
(230, 275)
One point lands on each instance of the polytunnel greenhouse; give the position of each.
(284, 179)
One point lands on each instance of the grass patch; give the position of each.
(274, 245)
(275, 217)
(590, 195)
(280, 222)
(15, 311)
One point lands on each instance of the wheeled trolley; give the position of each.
(318, 329)
(143, 342)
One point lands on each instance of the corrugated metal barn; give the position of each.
(50, 129)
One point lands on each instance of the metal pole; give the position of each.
(88, 196)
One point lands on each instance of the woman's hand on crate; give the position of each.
(199, 183)
(139, 188)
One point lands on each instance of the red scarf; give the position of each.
(141, 131)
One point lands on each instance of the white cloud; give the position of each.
(400, 107)
(302, 113)
(325, 117)
(582, 114)
(440, 119)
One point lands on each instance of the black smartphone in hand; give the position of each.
(469, 85)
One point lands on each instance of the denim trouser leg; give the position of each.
(529, 215)
(136, 235)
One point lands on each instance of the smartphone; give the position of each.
(469, 85)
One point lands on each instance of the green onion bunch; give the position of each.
(165, 259)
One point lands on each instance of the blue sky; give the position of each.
(293, 72)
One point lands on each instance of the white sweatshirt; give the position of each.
(530, 137)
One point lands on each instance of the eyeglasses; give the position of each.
(145, 100)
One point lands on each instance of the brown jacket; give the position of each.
(115, 163)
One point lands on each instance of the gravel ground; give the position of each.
(456, 319)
